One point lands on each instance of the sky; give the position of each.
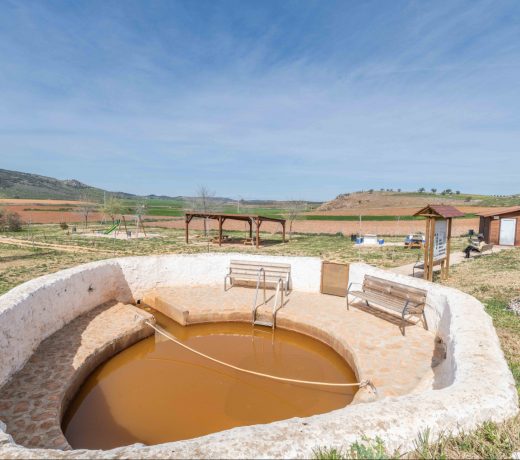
(263, 99)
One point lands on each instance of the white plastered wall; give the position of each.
(473, 384)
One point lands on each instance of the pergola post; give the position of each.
(283, 232)
(187, 224)
(251, 228)
(258, 223)
(220, 231)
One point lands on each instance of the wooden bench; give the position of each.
(389, 295)
(419, 265)
(266, 273)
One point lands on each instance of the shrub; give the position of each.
(10, 221)
(64, 226)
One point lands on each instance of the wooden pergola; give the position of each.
(221, 218)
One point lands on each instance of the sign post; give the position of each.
(438, 236)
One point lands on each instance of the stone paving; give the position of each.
(33, 401)
(368, 339)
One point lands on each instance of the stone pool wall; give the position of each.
(473, 383)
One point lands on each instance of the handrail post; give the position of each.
(265, 300)
(260, 270)
(275, 310)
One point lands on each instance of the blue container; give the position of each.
(381, 241)
(359, 240)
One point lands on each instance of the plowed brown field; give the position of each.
(460, 226)
(48, 213)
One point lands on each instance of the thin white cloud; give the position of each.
(87, 98)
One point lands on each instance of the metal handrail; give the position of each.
(275, 309)
(348, 291)
(255, 306)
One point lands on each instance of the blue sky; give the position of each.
(287, 100)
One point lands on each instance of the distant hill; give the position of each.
(15, 184)
(366, 200)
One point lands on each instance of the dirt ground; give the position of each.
(50, 215)
(460, 226)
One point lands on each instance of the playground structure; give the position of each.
(115, 228)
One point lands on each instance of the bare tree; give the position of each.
(112, 207)
(140, 209)
(86, 207)
(293, 211)
(204, 202)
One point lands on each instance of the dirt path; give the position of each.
(58, 247)
(456, 258)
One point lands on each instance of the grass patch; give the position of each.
(364, 449)
(26, 263)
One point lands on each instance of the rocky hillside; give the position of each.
(15, 184)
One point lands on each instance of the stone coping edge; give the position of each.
(473, 384)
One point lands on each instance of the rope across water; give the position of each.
(166, 334)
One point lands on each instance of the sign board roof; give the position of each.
(440, 210)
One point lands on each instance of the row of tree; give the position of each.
(447, 191)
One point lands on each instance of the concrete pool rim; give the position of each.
(460, 400)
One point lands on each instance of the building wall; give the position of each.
(494, 230)
(491, 227)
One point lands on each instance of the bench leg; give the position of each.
(403, 320)
(424, 321)
(230, 283)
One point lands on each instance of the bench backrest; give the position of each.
(272, 270)
(393, 289)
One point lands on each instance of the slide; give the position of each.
(111, 229)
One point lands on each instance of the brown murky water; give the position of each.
(155, 391)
